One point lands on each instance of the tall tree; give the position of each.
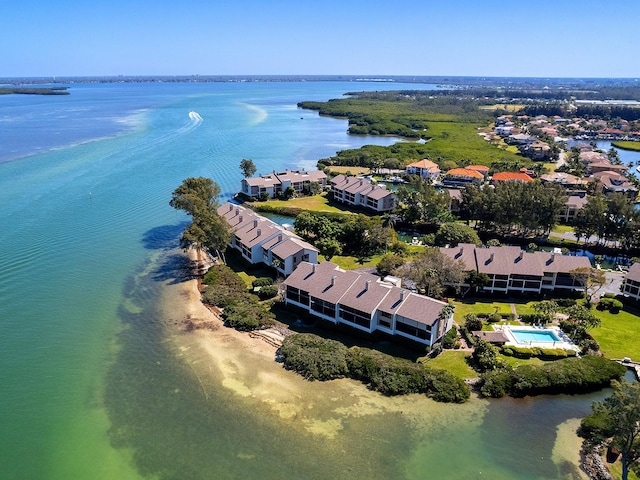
(591, 279)
(617, 418)
(198, 197)
(431, 270)
(247, 167)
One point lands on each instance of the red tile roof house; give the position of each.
(483, 169)
(511, 177)
(631, 283)
(364, 302)
(460, 177)
(276, 182)
(362, 193)
(425, 168)
(260, 240)
(511, 269)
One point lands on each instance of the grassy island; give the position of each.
(633, 146)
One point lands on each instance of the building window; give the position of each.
(355, 316)
(384, 319)
(297, 295)
(322, 307)
(413, 331)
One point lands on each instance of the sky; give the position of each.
(525, 38)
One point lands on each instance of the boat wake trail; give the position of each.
(195, 117)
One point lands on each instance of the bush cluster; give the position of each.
(262, 282)
(571, 375)
(241, 309)
(544, 353)
(535, 318)
(449, 340)
(316, 358)
(611, 304)
(566, 302)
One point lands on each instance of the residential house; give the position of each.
(537, 150)
(483, 169)
(259, 240)
(425, 168)
(565, 179)
(521, 139)
(276, 182)
(511, 177)
(612, 182)
(606, 167)
(460, 177)
(576, 201)
(367, 303)
(512, 270)
(631, 283)
(361, 192)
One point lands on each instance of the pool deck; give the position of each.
(563, 342)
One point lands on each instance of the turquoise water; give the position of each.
(524, 336)
(94, 382)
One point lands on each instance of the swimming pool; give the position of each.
(542, 336)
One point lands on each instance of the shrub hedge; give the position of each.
(262, 282)
(316, 358)
(571, 375)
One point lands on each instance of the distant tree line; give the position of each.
(604, 112)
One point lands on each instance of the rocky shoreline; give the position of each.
(592, 462)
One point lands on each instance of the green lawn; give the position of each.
(562, 229)
(484, 305)
(619, 334)
(351, 263)
(315, 203)
(453, 362)
(516, 362)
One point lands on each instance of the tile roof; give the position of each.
(511, 177)
(290, 246)
(463, 172)
(425, 164)
(478, 168)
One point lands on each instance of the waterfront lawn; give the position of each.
(453, 362)
(315, 203)
(516, 362)
(619, 334)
